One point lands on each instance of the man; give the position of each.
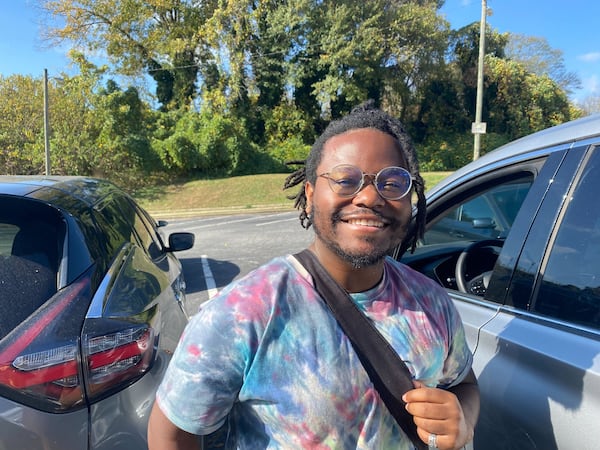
(267, 358)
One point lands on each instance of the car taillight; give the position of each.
(39, 359)
(114, 359)
(45, 364)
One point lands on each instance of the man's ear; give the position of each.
(308, 191)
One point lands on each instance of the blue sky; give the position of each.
(570, 26)
(567, 25)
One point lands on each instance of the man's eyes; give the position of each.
(345, 181)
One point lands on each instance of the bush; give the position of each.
(452, 151)
(292, 149)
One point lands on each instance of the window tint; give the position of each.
(570, 287)
(125, 224)
(150, 241)
(145, 226)
(115, 224)
(143, 231)
(488, 215)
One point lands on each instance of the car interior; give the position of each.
(465, 234)
(29, 255)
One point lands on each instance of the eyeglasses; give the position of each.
(392, 183)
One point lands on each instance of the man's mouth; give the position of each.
(366, 222)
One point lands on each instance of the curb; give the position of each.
(204, 212)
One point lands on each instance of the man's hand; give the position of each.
(440, 412)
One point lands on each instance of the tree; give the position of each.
(378, 49)
(590, 104)
(522, 102)
(464, 46)
(157, 37)
(21, 125)
(270, 74)
(416, 49)
(536, 56)
(123, 142)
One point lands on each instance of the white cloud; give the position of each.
(590, 57)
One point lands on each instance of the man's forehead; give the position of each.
(372, 140)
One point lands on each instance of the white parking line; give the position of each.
(211, 285)
(220, 223)
(275, 221)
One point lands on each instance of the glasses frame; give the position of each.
(333, 183)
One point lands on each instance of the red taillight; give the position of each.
(116, 358)
(39, 360)
(45, 364)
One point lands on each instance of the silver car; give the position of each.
(515, 239)
(92, 304)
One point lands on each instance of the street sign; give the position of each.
(478, 127)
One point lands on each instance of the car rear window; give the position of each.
(31, 237)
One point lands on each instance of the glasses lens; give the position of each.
(345, 180)
(393, 183)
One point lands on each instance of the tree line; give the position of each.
(231, 87)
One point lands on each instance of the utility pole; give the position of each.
(46, 124)
(478, 127)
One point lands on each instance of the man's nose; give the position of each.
(368, 193)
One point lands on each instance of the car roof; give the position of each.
(85, 189)
(566, 133)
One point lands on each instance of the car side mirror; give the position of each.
(485, 222)
(180, 241)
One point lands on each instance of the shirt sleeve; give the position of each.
(206, 371)
(459, 360)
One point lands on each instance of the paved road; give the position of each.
(228, 247)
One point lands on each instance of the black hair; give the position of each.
(366, 115)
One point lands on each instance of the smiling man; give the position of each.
(267, 358)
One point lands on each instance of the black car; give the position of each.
(514, 237)
(92, 304)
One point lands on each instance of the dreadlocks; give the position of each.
(365, 115)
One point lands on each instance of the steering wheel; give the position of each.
(479, 283)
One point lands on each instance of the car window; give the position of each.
(151, 241)
(488, 215)
(143, 231)
(7, 236)
(123, 222)
(570, 286)
(114, 223)
(31, 238)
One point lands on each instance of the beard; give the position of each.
(357, 260)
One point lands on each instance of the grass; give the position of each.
(246, 192)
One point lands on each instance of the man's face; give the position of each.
(359, 230)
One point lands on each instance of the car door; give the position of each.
(488, 199)
(537, 359)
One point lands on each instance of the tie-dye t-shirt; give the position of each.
(266, 356)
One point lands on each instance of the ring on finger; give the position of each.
(432, 441)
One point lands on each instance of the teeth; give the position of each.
(367, 223)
